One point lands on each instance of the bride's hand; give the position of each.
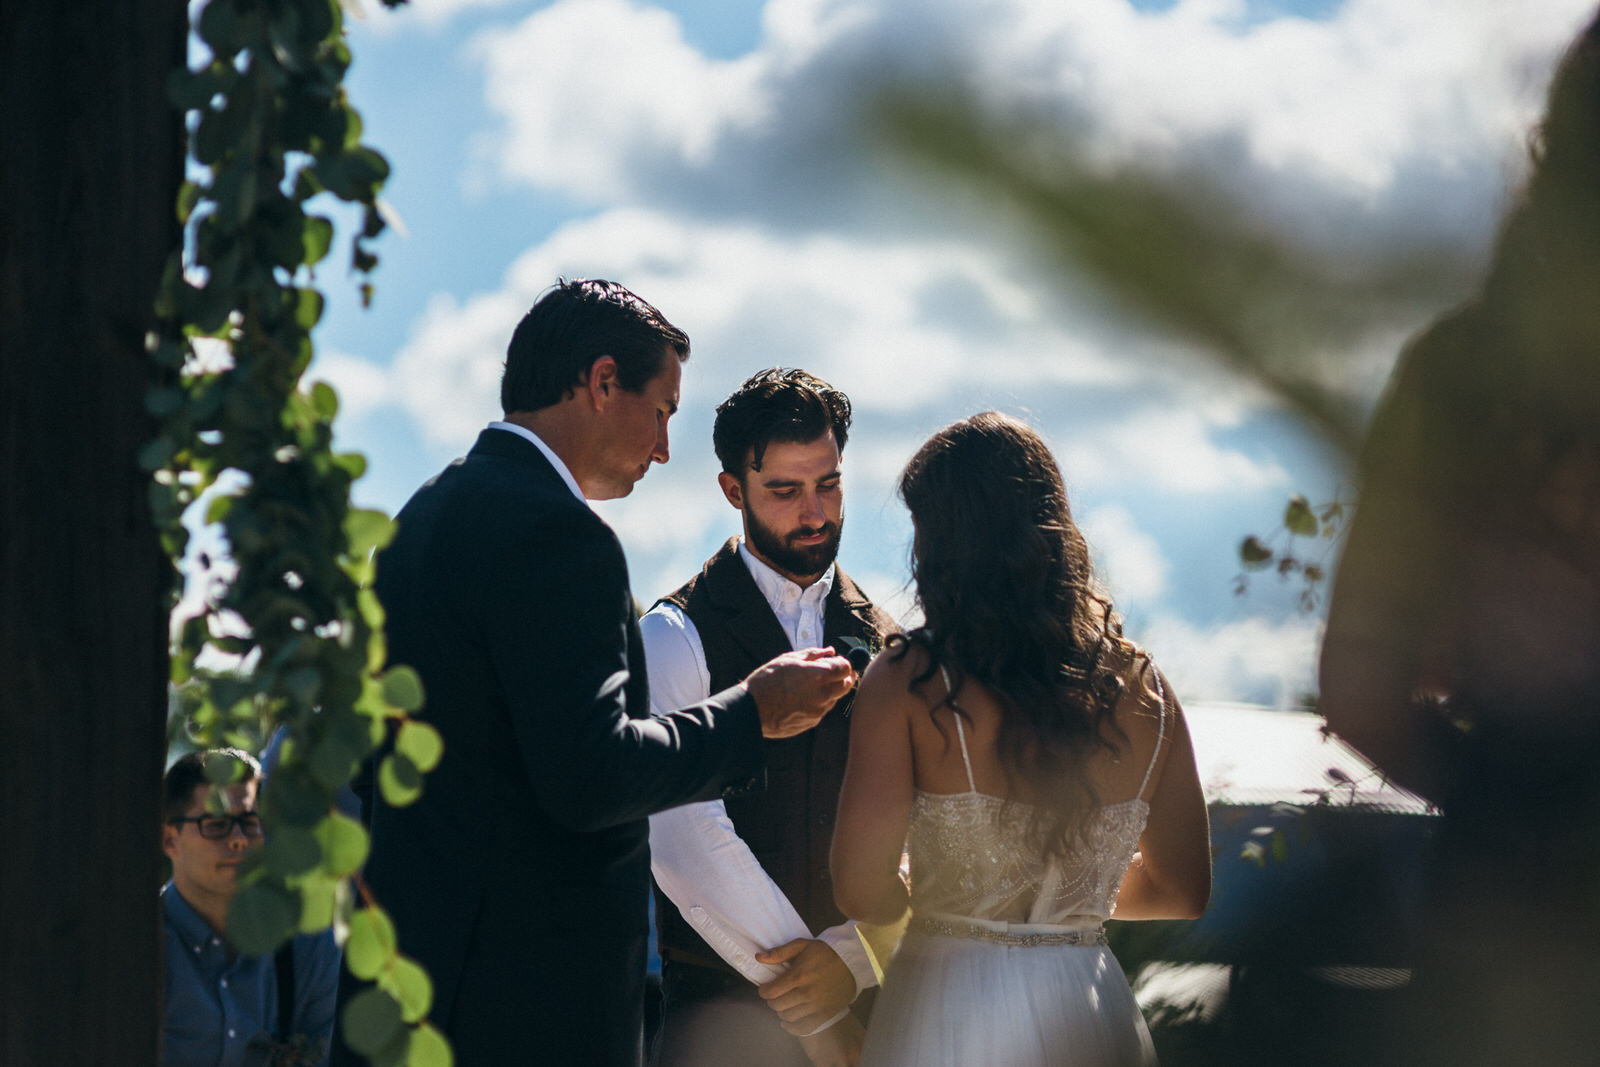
(837, 1046)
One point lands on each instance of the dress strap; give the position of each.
(1161, 734)
(961, 735)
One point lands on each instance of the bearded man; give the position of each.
(751, 942)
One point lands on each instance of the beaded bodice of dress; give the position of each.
(971, 855)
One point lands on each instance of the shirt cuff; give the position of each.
(843, 940)
(842, 1013)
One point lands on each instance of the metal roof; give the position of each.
(1251, 755)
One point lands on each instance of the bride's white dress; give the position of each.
(968, 989)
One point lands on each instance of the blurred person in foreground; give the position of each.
(223, 1009)
(520, 878)
(752, 944)
(1463, 645)
(1032, 761)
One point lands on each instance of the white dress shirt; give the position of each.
(698, 860)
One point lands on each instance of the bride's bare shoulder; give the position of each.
(904, 672)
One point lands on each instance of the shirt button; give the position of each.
(232, 1032)
(224, 983)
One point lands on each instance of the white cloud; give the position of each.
(898, 324)
(448, 375)
(1127, 559)
(363, 386)
(1170, 449)
(1389, 113)
(1253, 660)
(595, 90)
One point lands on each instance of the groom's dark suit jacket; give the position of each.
(520, 878)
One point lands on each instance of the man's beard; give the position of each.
(792, 560)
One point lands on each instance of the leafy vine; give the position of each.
(1282, 550)
(271, 131)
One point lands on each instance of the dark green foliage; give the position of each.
(270, 131)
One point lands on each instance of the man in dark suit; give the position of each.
(519, 880)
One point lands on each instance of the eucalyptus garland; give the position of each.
(270, 133)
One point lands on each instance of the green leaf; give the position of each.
(366, 529)
(292, 850)
(223, 769)
(317, 238)
(373, 615)
(1299, 518)
(408, 983)
(367, 166)
(333, 762)
(156, 454)
(219, 507)
(319, 898)
(227, 28)
(420, 743)
(260, 917)
(319, 904)
(353, 464)
(1252, 553)
(371, 1021)
(394, 1053)
(402, 688)
(371, 943)
(399, 780)
(293, 800)
(429, 1049)
(344, 844)
(324, 400)
(307, 308)
(188, 197)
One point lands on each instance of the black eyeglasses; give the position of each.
(217, 827)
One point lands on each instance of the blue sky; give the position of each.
(704, 154)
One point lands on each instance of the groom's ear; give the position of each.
(601, 381)
(732, 489)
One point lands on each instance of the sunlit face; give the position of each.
(635, 431)
(204, 870)
(793, 507)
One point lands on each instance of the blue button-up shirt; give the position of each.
(219, 1003)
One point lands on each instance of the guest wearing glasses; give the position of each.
(223, 1008)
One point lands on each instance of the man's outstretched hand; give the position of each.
(795, 690)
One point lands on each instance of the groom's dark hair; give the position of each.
(778, 404)
(571, 326)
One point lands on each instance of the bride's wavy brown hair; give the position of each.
(1003, 578)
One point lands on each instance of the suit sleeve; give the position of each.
(563, 642)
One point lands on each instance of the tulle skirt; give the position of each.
(973, 1003)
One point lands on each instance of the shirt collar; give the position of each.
(549, 454)
(772, 584)
(191, 928)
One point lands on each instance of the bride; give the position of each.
(1033, 763)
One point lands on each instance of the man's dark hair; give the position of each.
(571, 326)
(189, 771)
(778, 404)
